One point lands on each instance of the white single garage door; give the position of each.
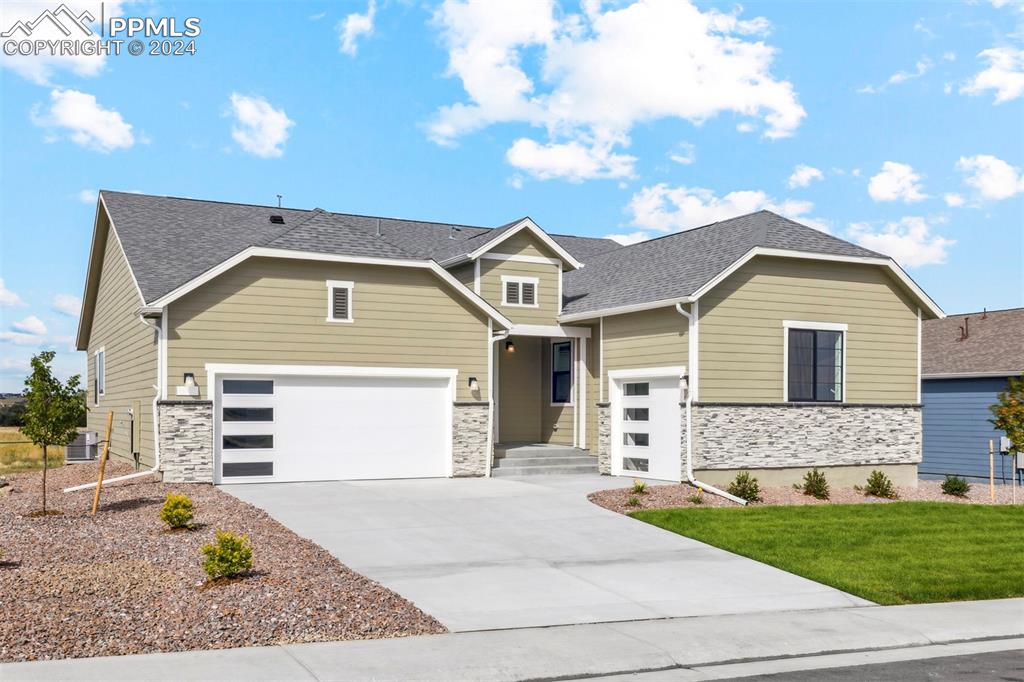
(314, 428)
(646, 423)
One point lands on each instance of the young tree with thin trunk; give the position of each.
(1009, 414)
(53, 409)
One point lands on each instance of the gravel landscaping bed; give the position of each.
(672, 496)
(120, 583)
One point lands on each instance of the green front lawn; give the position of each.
(899, 553)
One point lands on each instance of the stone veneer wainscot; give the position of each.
(775, 435)
(186, 440)
(470, 454)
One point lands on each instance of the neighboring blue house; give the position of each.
(965, 361)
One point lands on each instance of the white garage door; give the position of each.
(314, 428)
(646, 433)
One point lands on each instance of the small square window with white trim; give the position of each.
(519, 291)
(339, 301)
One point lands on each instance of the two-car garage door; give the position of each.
(310, 428)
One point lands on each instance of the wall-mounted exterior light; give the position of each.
(190, 387)
(510, 346)
(474, 385)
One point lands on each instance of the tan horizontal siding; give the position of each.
(464, 273)
(651, 338)
(130, 351)
(741, 332)
(549, 306)
(523, 243)
(273, 311)
(519, 391)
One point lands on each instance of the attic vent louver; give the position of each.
(277, 219)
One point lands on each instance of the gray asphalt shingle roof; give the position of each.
(994, 343)
(170, 241)
(677, 265)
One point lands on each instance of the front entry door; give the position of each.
(646, 426)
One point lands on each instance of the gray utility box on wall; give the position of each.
(83, 448)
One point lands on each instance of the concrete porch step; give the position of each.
(547, 460)
(545, 470)
(519, 451)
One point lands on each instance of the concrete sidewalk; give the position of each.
(569, 651)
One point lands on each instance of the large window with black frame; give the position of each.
(815, 370)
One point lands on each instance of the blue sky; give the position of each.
(896, 125)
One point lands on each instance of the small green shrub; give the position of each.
(696, 498)
(814, 485)
(956, 486)
(633, 501)
(177, 511)
(880, 485)
(228, 555)
(745, 487)
(639, 487)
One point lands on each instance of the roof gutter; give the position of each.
(692, 359)
(620, 310)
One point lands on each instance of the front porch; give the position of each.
(542, 423)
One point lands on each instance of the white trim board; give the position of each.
(647, 372)
(527, 224)
(888, 263)
(331, 370)
(555, 330)
(516, 258)
(264, 252)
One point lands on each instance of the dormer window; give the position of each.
(519, 291)
(339, 301)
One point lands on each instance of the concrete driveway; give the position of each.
(481, 554)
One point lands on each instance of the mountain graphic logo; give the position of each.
(63, 19)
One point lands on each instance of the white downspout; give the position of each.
(494, 338)
(157, 387)
(691, 361)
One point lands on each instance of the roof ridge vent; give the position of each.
(277, 219)
(452, 229)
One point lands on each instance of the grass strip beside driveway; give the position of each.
(899, 553)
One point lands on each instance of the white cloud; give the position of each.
(40, 69)
(1005, 74)
(30, 325)
(670, 209)
(992, 177)
(21, 338)
(745, 127)
(923, 66)
(67, 304)
(909, 241)
(572, 161)
(8, 298)
(630, 238)
(953, 200)
(684, 153)
(949, 56)
(600, 73)
(803, 175)
(318, 16)
(89, 124)
(259, 128)
(896, 182)
(353, 26)
(88, 196)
